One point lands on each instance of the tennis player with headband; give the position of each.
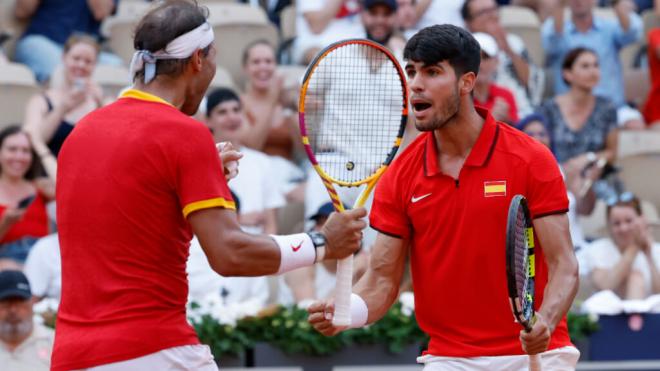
(136, 179)
(445, 199)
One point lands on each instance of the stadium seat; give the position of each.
(111, 79)
(132, 8)
(222, 79)
(651, 20)
(636, 85)
(525, 23)
(595, 225)
(235, 27)
(17, 85)
(119, 30)
(288, 22)
(638, 158)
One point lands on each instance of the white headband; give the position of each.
(180, 48)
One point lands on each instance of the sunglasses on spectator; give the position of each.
(624, 197)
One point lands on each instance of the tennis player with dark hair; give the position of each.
(446, 199)
(136, 179)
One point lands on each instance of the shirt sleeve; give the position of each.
(546, 190)
(388, 214)
(625, 37)
(200, 180)
(554, 44)
(37, 270)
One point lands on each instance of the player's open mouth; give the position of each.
(421, 106)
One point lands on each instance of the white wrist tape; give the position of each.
(359, 311)
(296, 251)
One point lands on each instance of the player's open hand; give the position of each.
(343, 233)
(320, 317)
(537, 340)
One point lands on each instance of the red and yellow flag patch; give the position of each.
(495, 188)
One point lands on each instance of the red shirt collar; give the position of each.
(480, 152)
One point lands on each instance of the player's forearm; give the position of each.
(560, 290)
(243, 254)
(378, 292)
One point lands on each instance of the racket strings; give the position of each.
(522, 266)
(353, 108)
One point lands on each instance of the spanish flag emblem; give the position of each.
(495, 188)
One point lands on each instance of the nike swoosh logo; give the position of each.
(415, 199)
(296, 248)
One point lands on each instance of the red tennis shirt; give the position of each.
(128, 176)
(457, 230)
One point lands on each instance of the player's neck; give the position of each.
(458, 136)
(165, 89)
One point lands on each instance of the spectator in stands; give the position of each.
(379, 20)
(406, 16)
(322, 22)
(204, 281)
(582, 125)
(50, 116)
(260, 196)
(23, 195)
(273, 8)
(516, 71)
(43, 268)
(627, 263)
(52, 22)
(652, 106)
(498, 100)
(427, 13)
(543, 8)
(24, 345)
(605, 36)
(271, 126)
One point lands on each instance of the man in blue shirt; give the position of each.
(605, 36)
(51, 24)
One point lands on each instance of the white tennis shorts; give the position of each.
(560, 359)
(183, 358)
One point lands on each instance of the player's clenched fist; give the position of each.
(320, 317)
(343, 233)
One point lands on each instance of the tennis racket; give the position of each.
(520, 267)
(353, 109)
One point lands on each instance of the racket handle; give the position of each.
(343, 289)
(535, 362)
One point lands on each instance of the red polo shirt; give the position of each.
(128, 176)
(457, 232)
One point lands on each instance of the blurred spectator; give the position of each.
(254, 183)
(498, 100)
(628, 262)
(43, 268)
(273, 8)
(322, 22)
(516, 71)
(582, 125)
(534, 125)
(605, 36)
(204, 282)
(271, 126)
(405, 14)
(24, 345)
(23, 195)
(543, 8)
(431, 12)
(652, 106)
(52, 22)
(50, 116)
(379, 20)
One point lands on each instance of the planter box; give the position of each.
(230, 361)
(616, 342)
(356, 355)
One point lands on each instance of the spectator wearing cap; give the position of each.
(24, 346)
(379, 20)
(515, 70)
(497, 99)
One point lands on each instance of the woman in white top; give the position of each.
(628, 262)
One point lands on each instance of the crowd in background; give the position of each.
(575, 104)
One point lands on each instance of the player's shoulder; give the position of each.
(516, 143)
(412, 151)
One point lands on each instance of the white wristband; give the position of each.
(296, 251)
(359, 311)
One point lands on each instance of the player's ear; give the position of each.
(197, 60)
(466, 83)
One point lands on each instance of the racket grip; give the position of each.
(535, 362)
(343, 289)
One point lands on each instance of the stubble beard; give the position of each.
(449, 109)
